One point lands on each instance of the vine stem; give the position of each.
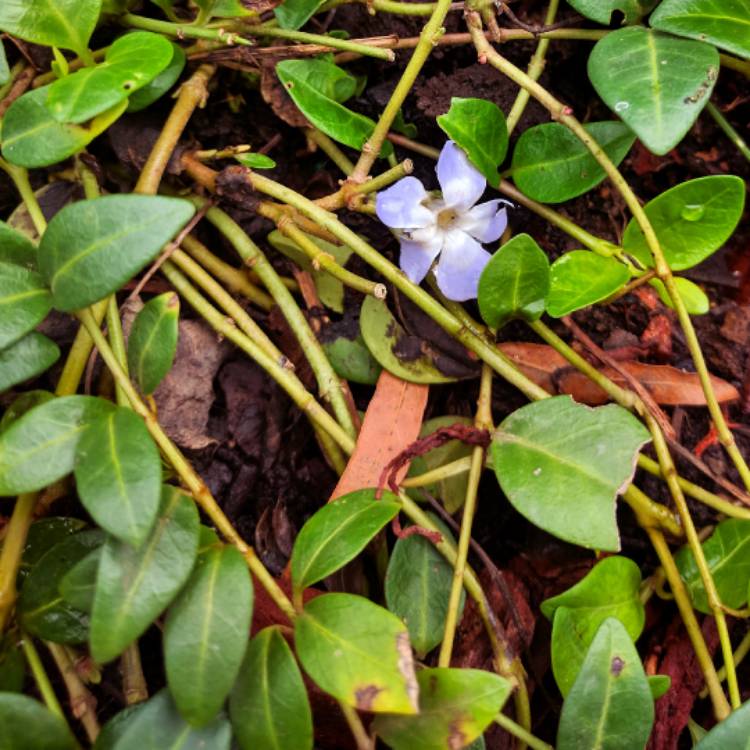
(730, 132)
(564, 115)
(511, 727)
(363, 740)
(40, 677)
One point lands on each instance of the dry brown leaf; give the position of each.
(273, 92)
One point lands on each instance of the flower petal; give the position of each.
(400, 206)
(485, 222)
(417, 257)
(461, 264)
(461, 183)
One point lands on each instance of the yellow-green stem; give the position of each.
(334, 153)
(117, 342)
(520, 733)
(362, 739)
(40, 677)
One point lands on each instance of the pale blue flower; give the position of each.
(450, 226)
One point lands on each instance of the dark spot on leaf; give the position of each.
(617, 666)
(365, 697)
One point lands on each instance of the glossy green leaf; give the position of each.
(29, 725)
(727, 553)
(325, 113)
(337, 533)
(656, 83)
(455, 707)
(39, 448)
(561, 465)
(42, 610)
(581, 278)
(514, 284)
(551, 165)
(135, 585)
(358, 652)
(31, 137)
(24, 302)
(158, 86)
(12, 664)
(351, 360)
(92, 247)
(610, 705)
(417, 589)
(382, 334)
(16, 247)
(206, 634)
(695, 299)
(731, 734)
(43, 535)
(292, 14)
(28, 357)
(4, 68)
(327, 78)
(478, 127)
(53, 23)
(659, 685)
(691, 220)
(256, 161)
(231, 9)
(269, 707)
(153, 341)
(23, 403)
(610, 589)
(114, 729)
(78, 585)
(725, 23)
(158, 725)
(130, 63)
(601, 10)
(118, 475)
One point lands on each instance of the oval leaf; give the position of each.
(135, 585)
(206, 634)
(514, 284)
(28, 725)
(455, 707)
(695, 299)
(551, 165)
(656, 83)
(691, 220)
(561, 466)
(24, 302)
(39, 448)
(269, 706)
(118, 475)
(16, 247)
(601, 10)
(581, 278)
(730, 734)
(293, 14)
(358, 652)
(92, 247)
(351, 359)
(159, 86)
(152, 344)
(78, 585)
(25, 359)
(610, 705)
(337, 533)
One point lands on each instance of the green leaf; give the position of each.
(337, 533)
(325, 113)
(293, 14)
(4, 69)
(78, 585)
(256, 161)
(206, 634)
(351, 359)
(41, 607)
(231, 9)
(114, 729)
(327, 78)
(43, 535)
(135, 585)
(656, 83)
(610, 705)
(691, 220)
(478, 127)
(158, 86)
(28, 357)
(725, 23)
(118, 475)
(610, 589)
(695, 299)
(92, 247)
(269, 707)
(562, 465)
(153, 341)
(551, 165)
(12, 665)
(730, 734)
(581, 278)
(28, 725)
(727, 553)
(382, 334)
(514, 284)
(130, 63)
(24, 302)
(158, 726)
(39, 448)
(358, 652)
(53, 23)
(31, 137)
(23, 403)
(601, 10)
(455, 707)
(417, 589)
(16, 247)
(659, 684)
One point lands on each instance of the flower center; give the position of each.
(446, 217)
